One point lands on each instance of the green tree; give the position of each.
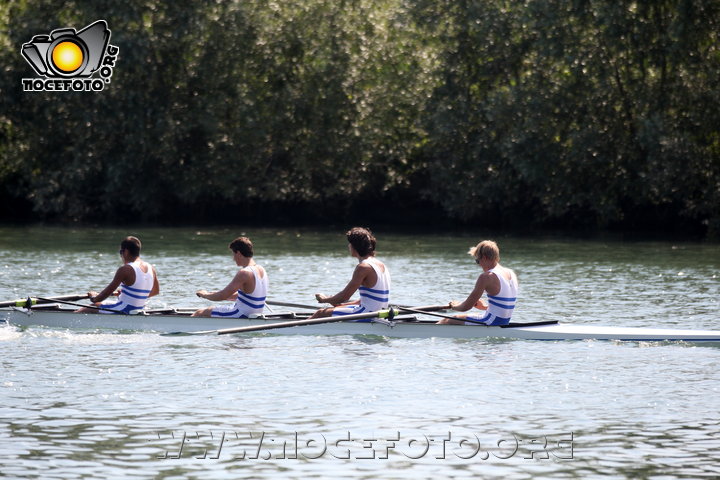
(548, 112)
(584, 112)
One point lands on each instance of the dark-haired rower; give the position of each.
(371, 277)
(137, 280)
(248, 288)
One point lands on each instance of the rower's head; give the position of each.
(130, 247)
(242, 246)
(362, 241)
(485, 251)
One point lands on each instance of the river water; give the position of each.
(119, 404)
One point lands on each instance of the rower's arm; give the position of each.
(347, 292)
(226, 293)
(121, 275)
(474, 296)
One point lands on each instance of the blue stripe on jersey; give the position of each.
(141, 297)
(250, 297)
(253, 305)
(501, 305)
(374, 290)
(502, 299)
(125, 287)
(377, 299)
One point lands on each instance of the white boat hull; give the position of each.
(415, 329)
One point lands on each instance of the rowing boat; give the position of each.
(409, 327)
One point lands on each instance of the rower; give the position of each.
(136, 278)
(248, 288)
(500, 283)
(371, 277)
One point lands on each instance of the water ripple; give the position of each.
(114, 404)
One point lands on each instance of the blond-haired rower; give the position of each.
(500, 284)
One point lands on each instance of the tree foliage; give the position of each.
(548, 112)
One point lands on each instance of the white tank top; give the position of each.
(503, 304)
(253, 303)
(377, 297)
(137, 294)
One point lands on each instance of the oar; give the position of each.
(428, 308)
(292, 305)
(478, 322)
(27, 302)
(425, 312)
(388, 314)
(55, 300)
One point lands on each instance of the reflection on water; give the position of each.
(108, 405)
